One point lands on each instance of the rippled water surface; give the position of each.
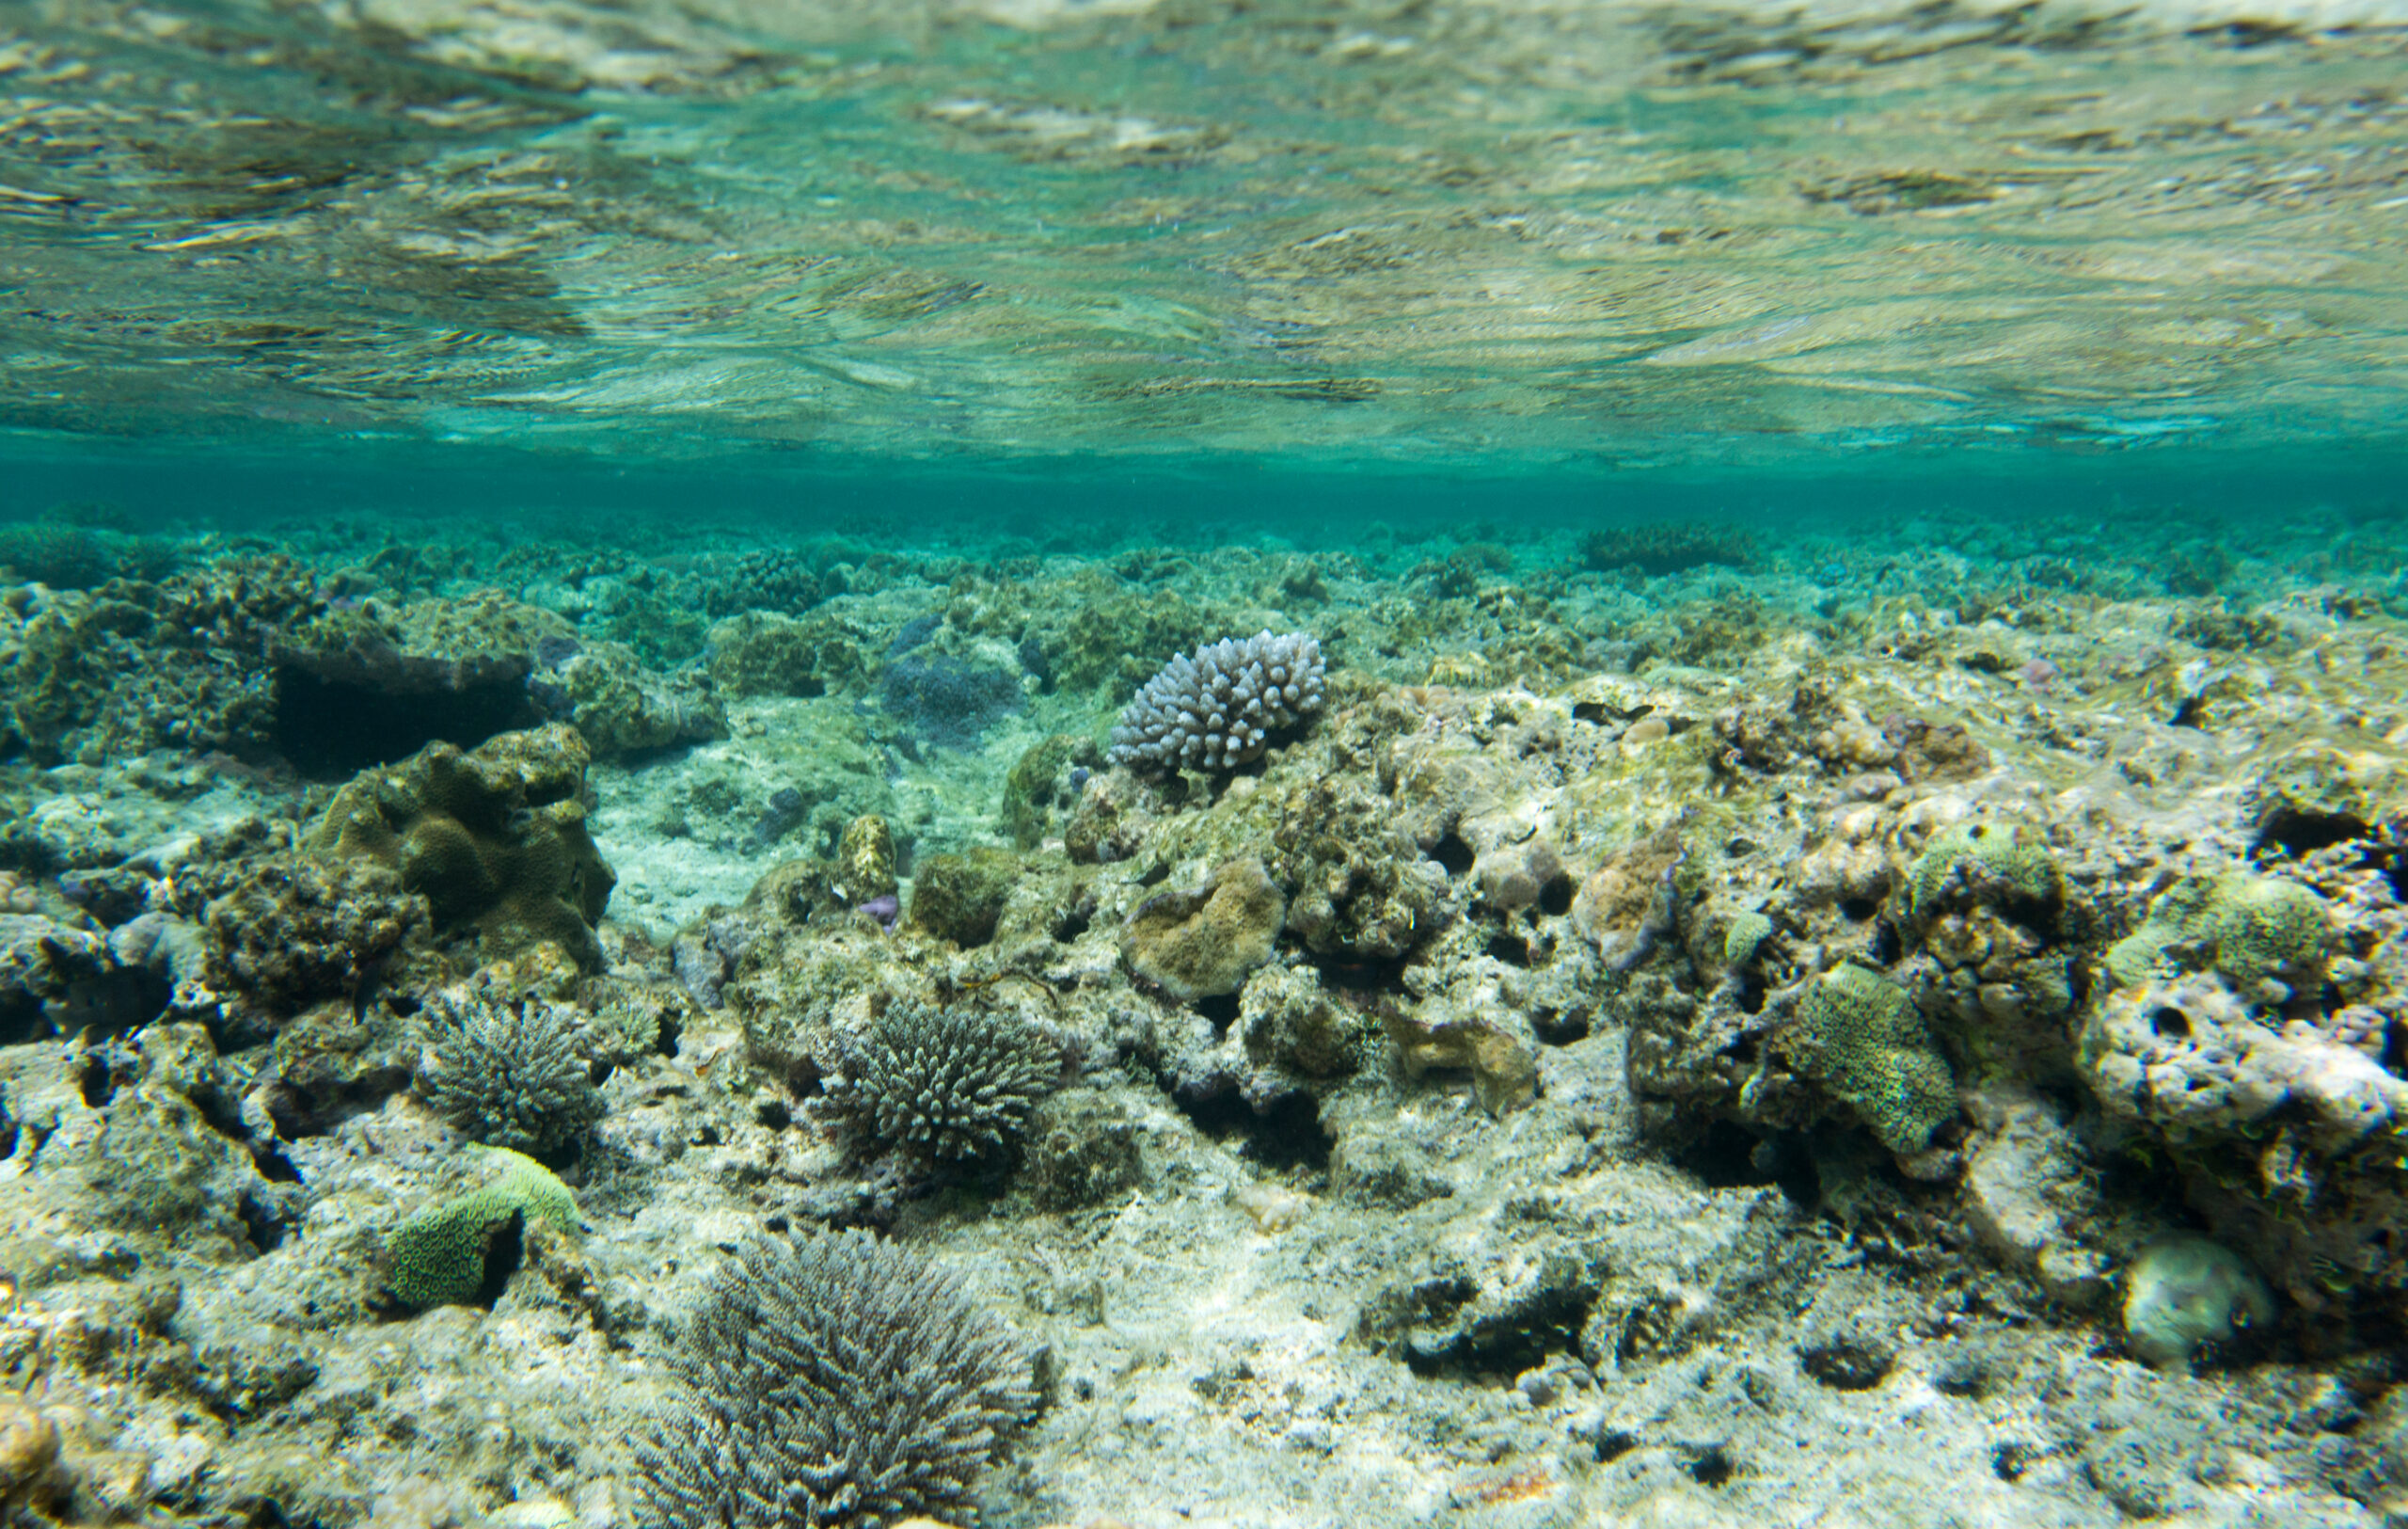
(1597, 234)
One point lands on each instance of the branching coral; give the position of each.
(839, 1381)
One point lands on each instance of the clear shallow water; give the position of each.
(1495, 237)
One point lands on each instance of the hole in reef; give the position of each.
(1884, 948)
(2187, 714)
(1751, 995)
(1554, 898)
(2172, 1022)
(665, 1044)
(2297, 832)
(1220, 1008)
(1287, 1135)
(2009, 1461)
(1453, 853)
(1510, 948)
(1613, 1443)
(94, 1080)
(1857, 910)
(505, 1249)
(21, 1020)
(1713, 1467)
(333, 729)
(1730, 1156)
(262, 1224)
(1563, 1027)
(1072, 924)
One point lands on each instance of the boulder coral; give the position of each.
(495, 839)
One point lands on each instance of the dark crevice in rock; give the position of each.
(329, 728)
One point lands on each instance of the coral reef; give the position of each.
(838, 1380)
(451, 1251)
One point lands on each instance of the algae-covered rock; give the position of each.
(1202, 943)
(2186, 1293)
(621, 707)
(1869, 1044)
(1044, 785)
(445, 1253)
(958, 897)
(760, 654)
(1081, 1150)
(865, 868)
(495, 839)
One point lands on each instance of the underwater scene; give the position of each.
(1203, 764)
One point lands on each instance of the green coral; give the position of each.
(439, 1256)
(1876, 1054)
(2248, 928)
(1745, 936)
(1993, 863)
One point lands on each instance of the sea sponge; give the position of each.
(1872, 1049)
(520, 1078)
(942, 1083)
(1217, 709)
(2187, 1292)
(1203, 944)
(442, 1256)
(836, 1381)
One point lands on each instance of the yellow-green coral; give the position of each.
(1986, 862)
(437, 1256)
(1876, 1054)
(2248, 928)
(1745, 936)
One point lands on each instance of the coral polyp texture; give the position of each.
(835, 1382)
(517, 1076)
(948, 1084)
(1217, 709)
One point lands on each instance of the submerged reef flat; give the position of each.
(1665, 1024)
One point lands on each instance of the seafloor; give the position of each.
(1712, 1023)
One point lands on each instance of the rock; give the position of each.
(959, 896)
(1203, 944)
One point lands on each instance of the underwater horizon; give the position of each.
(1265, 764)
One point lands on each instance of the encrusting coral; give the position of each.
(443, 1254)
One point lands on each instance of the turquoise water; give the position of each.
(1467, 238)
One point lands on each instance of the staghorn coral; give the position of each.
(942, 1083)
(1217, 709)
(519, 1078)
(839, 1381)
